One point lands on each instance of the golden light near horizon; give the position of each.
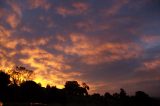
(45, 82)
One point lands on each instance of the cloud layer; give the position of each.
(107, 44)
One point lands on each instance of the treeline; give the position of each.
(73, 93)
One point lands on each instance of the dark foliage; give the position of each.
(73, 93)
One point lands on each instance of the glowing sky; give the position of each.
(109, 44)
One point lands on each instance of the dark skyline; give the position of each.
(109, 44)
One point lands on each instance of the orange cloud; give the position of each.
(151, 65)
(5, 32)
(115, 7)
(42, 61)
(92, 26)
(63, 11)
(92, 52)
(11, 43)
(26, 29)
(39, 3)
(37, 59)
(5, 38)
(41, 41)
(14, 16)
(79, 8)
(150, 39)
(48, 68)
(61, 38)
(8, 43)
(16, 8)
(12, 20)
(6, 60)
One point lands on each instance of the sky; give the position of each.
(109, 44)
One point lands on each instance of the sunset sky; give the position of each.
(109, 44)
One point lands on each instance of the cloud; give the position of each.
(150, 41)
(16, 7)
(6, 50)
(39, 56)
(81, 7)
(39, 4)
(115, 7)
(6, 62)
(14, 14)
(92, 26)
(63, 11)
(48, 68)
(78, 8)
(149, 65)
(5, 38)
(152, 65)
(26, 29)
(10, 42)
(5, 32)
(93, 53)
(41, 41)
(12, 20)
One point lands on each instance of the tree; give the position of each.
(141, 95)
(20, 74)
(73, 88)
(4, 79)
(123, 93)
(85, 88)
(82, 91)
(142, 99)
(96, 97)
(116, 96)
(84, 85)
(31, 91)
(107, 95)
(4, 83)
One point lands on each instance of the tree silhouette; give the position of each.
(123, 93)
(82, 91)
(141, 94)
(84, 85)
(4, 79)
(31, 90)
(72, 87)
(107, 95)
(4, 83)
(143, 99)
(20, 74)
(85, 89)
